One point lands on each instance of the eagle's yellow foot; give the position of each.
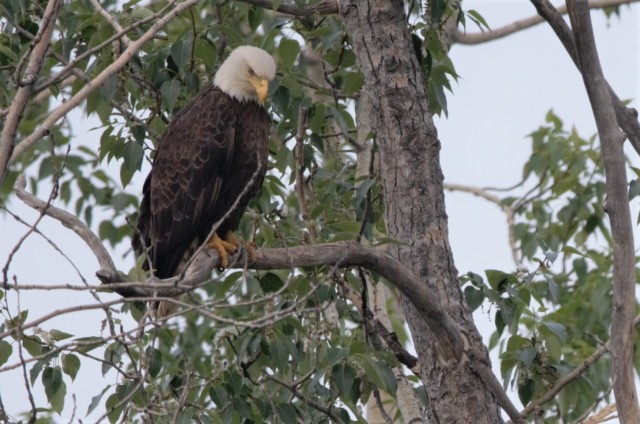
(251, 251)
(224, 247)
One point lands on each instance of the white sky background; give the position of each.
(506, 88)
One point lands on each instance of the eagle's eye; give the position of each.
(251, 72)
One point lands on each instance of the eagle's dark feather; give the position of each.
(211, 151)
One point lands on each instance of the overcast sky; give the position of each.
(506, 88)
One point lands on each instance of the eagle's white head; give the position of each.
(246, 73)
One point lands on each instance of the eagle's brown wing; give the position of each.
(183, 187)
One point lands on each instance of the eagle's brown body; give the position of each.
(210, 163)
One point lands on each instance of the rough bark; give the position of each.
(414, 202)
(617, 208)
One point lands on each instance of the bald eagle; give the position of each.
(210, 163)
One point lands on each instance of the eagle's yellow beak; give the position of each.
(262, 87)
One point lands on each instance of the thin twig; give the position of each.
(114, 67)
(508, 211)
(627, 117)
(327, 7)
(70, 221)
(27, 82)
(470, 38)
(116, 26)
(312, 403)
(624, 275)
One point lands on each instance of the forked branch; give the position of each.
(624, 275)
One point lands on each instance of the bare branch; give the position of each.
(114, 67)
(116, 26)
(328, 7)
(467, 38)
(508, 211)
(27, 82)
(617, 208)
(627, 117)
(72, 222)
(342, 255)
(605, 414)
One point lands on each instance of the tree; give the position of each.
(353, 203)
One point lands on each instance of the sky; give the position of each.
(505, 89)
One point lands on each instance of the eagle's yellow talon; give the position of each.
(224, 248)
(251, 251)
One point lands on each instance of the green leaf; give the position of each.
(270, 283)
(474, 297)
(255, 17)
(155, 361)
(87, 344)
(280, 350)
(170, 91)
(35, 371)
(70, 365)
(33, 345)
(133, 155)
(478, 19)
(634, 188)
(527, 355)
(344, 376)
(288, 50)
(5, 351)
(333, 356)
(59, 335)
(113, 411)
(498, 280)
(95, 401)
(54, 387)
(559, 330)
(108, 89)
(380, 375)
(526, 391)
(234, 381)
(554, 291)
(181, 52)
(351, 83)
(112, 356)
(219, 396)
(287, 413)
(6, 51)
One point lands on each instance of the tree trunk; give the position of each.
(414, 200)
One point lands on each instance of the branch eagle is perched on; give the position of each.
(210, 163)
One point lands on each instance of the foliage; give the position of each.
(288, 345)
(552, 318)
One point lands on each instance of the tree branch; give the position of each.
(27, 82)
(327, 7)
(467, 38)
(71, 222)
(617, 208)
(342, 255)
(118, 64)
(627, 117)
(508, 211)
